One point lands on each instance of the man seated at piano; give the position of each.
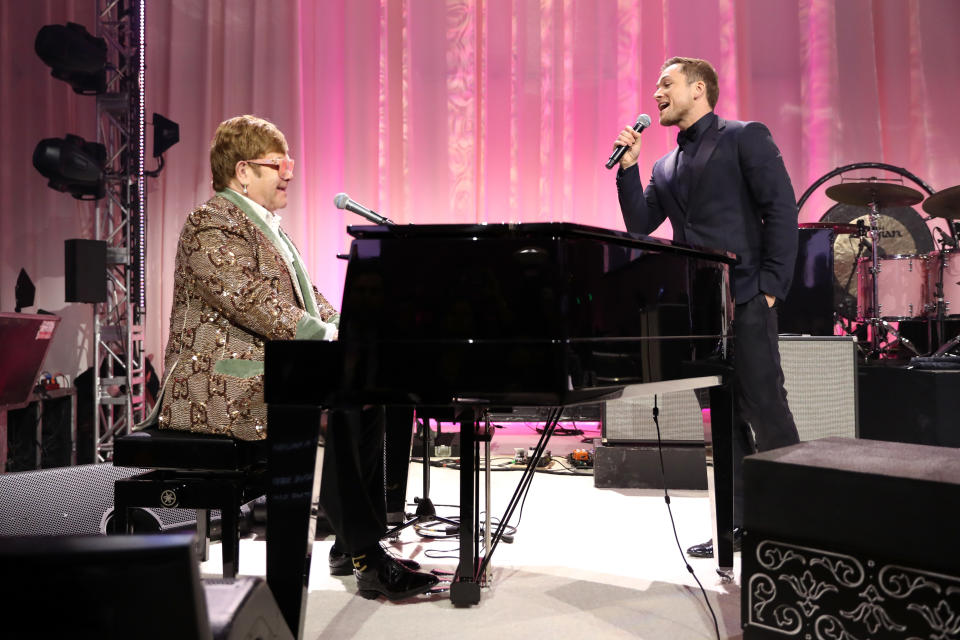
(239, 282)
(725, 187)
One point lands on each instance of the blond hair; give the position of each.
(242, 138)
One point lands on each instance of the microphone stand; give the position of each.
(941, 303)
(874, 311)
(862, 234)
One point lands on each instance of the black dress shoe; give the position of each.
(391, 579)
(705, 549)
(341, 564)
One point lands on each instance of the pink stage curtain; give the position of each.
(433, 111)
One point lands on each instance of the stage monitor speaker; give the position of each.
(74, 501)
(848, 538)
(85, 270)
(906, 404)
(136, 586)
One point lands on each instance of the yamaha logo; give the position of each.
(168, 498)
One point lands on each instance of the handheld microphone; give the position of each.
(643, 121)
(343, 201)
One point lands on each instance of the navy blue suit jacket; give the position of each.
(740, 200)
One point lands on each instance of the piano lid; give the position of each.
(539, 230)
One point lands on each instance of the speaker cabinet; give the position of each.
(85, 270)
(910, 405)
(118, 587)
(72, 501)
(850, 538)
(820, 377)
(631, 421)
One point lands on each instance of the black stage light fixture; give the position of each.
(166, 133)
(24, 291)
(75, 56)
(72, 164)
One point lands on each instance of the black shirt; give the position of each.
(689, 142)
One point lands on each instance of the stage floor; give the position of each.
(585, 562)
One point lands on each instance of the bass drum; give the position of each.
(903, 232)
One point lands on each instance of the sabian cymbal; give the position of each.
(883, 194)
(903, 231)
(838, 227)
(944, 204)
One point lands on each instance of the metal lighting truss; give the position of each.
(120, 220)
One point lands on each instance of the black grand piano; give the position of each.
(474, 318)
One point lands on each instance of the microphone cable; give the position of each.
(666, 498)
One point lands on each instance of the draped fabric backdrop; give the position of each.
(432, 111)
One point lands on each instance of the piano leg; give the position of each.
(293, 435)
(465, 588)
(721, 442)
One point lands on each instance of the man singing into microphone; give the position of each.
(725, 187)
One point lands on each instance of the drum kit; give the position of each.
(897, 287)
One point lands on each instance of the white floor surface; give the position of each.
(585, 563)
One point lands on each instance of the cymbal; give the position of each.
(884, 194)
(838, 227)
(944, 204)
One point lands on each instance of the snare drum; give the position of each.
(951, 281)
(901, 286)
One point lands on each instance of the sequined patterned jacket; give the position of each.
(233, 290)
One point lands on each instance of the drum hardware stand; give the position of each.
(941, 304)
(944, 204)
(875, 321)
(846, 325)
(901, 339)
(873, 313)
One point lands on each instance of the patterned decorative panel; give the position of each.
(793, 591)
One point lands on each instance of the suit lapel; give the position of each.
(710, 139)
(272, 242)
(668, 177)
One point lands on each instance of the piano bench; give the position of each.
(191, 471)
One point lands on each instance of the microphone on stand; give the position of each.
(643, 121)
(945, 240)
(343, 201)
(862, 232)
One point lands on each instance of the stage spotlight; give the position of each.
(74, 56)
(72, 164)
(166, 133)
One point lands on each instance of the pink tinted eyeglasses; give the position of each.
(283, 165)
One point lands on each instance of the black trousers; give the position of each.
(351, 482)
(762, 418)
